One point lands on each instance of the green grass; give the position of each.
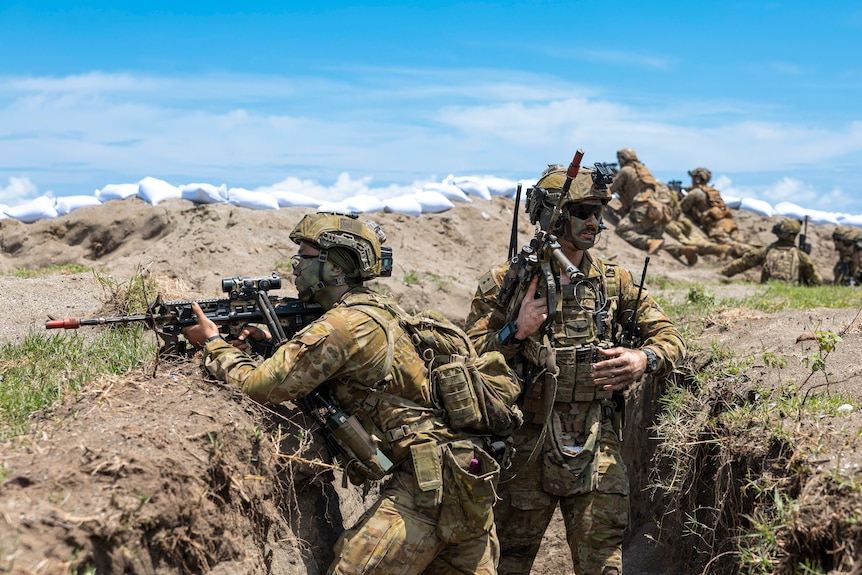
(41, 369)
(736, 411)
(64, 268)
(38, 371)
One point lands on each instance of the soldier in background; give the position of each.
(782, 260)
(704, 205)
(848, 244)
(647, 207)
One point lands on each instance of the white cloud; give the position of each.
(393, 124)
(18, 191)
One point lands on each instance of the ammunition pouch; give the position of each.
(575, 382)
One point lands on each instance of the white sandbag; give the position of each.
(757, 206)
(294, 200)
(3, 208)
(363, 203)
(38, 209)
(334, 207)
(470, 185)
(733, 202)
(851, 220)
(249, 199)
(790, 210)
(500, 187)
(406, 204)
(67, 204)
(204, 193)
(433, 202)
(153, 190)
(451, 191)
(117, 192)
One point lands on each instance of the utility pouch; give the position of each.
(469, 495)
(358, 445)
(427, 469)
(570, 469)
(455, 390)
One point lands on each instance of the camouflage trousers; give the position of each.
(595, 521)
(685, 232)
(398, 536)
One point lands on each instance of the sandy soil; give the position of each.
(164, 472)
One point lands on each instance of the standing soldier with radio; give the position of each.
(565, 336)
(848, 244)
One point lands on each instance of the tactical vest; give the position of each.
(585, 321)
(713, 200)
(781, 263)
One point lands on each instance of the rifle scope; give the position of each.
(243, 286)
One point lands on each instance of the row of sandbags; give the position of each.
(431, 198)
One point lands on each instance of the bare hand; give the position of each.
(533, 312)
(625, 367)
(204, 329)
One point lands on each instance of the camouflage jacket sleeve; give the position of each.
(486, 319)
(658, 334)
(808, 273)
(746, 261)
(341, 344)
(690, 204)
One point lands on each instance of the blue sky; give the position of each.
(765, 94)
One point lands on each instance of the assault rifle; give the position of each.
(804, 245)
(535, 259)
(248, 301)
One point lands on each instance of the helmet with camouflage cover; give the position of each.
(626, 155)
(842, 233)
(787, 228)
(701, 174)
(543, 198)
(333, 231)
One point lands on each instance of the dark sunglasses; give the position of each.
(584, 211)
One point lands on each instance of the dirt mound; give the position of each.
(164, 472)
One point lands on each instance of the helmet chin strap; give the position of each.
(308, 293)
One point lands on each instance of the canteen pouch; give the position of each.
(469, 496)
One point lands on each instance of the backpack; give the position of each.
(781, 264)
(477, 392)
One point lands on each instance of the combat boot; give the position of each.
(680, 252)
(689, 253)
(654, 245)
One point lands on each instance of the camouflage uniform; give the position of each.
(848, 244)
(781, 260)
(404, 532)
(705, 207)
(649, 209)
(590, 486)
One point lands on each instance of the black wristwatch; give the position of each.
(506, 336)
(651, 360)
(213, 338)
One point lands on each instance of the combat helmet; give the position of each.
(842, 233)
(626, 155)
(328, 230)
(700, 174)
(543, 198)
(788, 228)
